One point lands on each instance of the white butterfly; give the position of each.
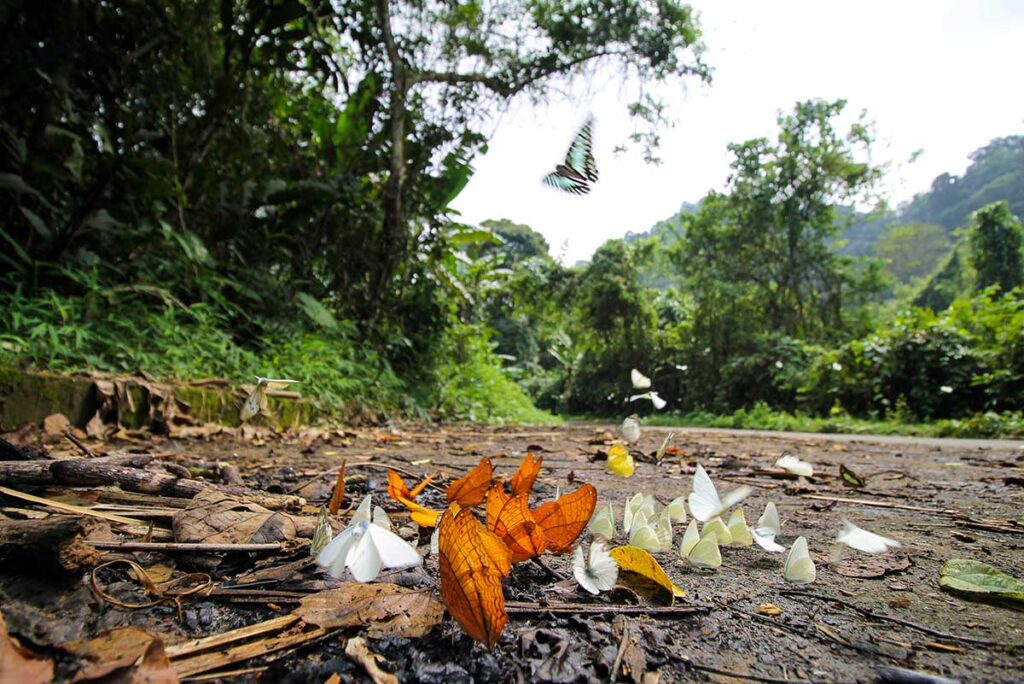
(799, 566)
(690, 539)
(362, 513)
(704, 501)
(717, 529)
(658, 402)
(741, 535)
(640, 381)
(603, 522)
(381, 519)
(677, 509)
(768, 527)
(660, 454)
(365, 548)
(645, 536)
(256, 402)
(862, 540)
(600, 573)
(323, 533)
(705, 553)
(794, 465)
(639, 503)
(630, 429)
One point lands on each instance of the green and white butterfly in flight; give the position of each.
(579, 169)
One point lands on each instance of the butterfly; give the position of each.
(658, 402)
(850, 478)
(600, 573)
(579, 170)
(652, 534)
(256, 402)
(737, 525)
(603, 522)
(620, 461)
(768, 527)
(717, 529)
(323, 533)
(398, 490)
(799, 566)
(862, 540)
(705, 503)
(677, 509)
(636, 505)
(510, 518)
(640, 381)
(794, 465)
(472, 562)
(702, 552)
(565, 518)
(526, 474)
(365, 547)
(472, 488)
(630, 428)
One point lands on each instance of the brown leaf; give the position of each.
(95, 427)
(871, 566)
(769, 609)
(56, 424)
(125, 654)
(18, 664)
(217, 518)
(383, 609)
(358, 650)
(903, 602)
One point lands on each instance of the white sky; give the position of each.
(942, 76)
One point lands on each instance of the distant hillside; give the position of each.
(996, 173)
(669, 230)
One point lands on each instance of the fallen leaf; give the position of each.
(769, 609)
(56, 424)
(975, 577)
(900, 603)
(946, 648)
(868, 567)
(381, 609)
(140, 654)
(20, 665)
(634, 559)
(218, 518)
(358, 650)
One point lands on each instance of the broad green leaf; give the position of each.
(980, 578)
(316, 311)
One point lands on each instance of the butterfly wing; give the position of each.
(645, 537)
(397, 489)
(394, 552)
(322, 534)
(511, 520)
(362, 513)
(705, 553)
(690, 539)
(251, 405)
(603, 569)
(565, 518)
(364, 561)
(526, 474)
(580, 157)
(799, 566)
(565, 179)
(471, 489)
(738, 529)
(603, 523)
(704, 501)
(640, 381)
(863, 540)
(769, 520)
(333, 556)
(677, 509)
(472, 562)
(381, 519)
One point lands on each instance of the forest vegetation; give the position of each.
(202, 188)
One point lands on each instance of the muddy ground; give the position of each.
(941, 499)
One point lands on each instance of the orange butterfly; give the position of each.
(472, 489)
(510, 518)
(472, 561)
(398, 490)
(564, 518)
(522, 481)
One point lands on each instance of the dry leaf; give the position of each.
(218, 518)
(382, 609)
(634, 559)
(769, 609)
(359, 651)
(140, 654)
(56, 424)
(20, 665)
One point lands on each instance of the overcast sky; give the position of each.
(939, 76)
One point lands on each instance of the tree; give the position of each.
(519, 241)
(995, 238)
(913, 251)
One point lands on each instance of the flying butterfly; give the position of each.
(579, 170)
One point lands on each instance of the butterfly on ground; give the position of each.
(579, 170)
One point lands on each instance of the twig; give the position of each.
(551, 573)
(880, 504)
(71, 508)
(192, 646)
(531, 608)
(621, 653)
(226, 674)
(379, 466)
(68, 435)
(738, 675)
(899, 621)
(184, 546)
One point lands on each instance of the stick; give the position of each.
(620, 653)
(68, 435)
(183, 546)
(880, 504)
(187, 648)
(551, 573)
(530, 608)
(899, 621)
(71, 508)
(212, 661)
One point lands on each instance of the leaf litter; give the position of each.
(269, 612)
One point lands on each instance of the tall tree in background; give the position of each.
(995, 238)
(913, 251)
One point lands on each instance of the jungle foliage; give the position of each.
(236, 187)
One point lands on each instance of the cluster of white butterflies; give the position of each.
(364, 547)
(642, 382)
(651, 529)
